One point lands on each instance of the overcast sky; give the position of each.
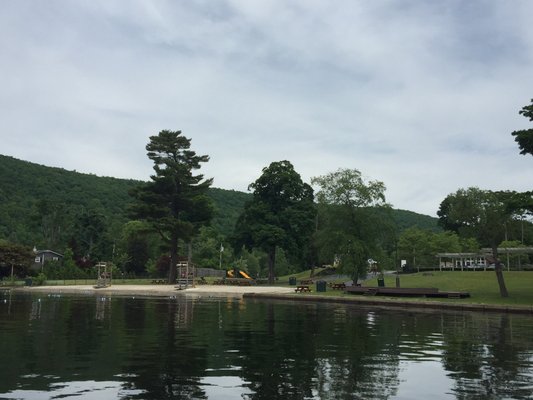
(422, 95)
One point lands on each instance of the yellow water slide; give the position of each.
(231, 274)
(244, 275)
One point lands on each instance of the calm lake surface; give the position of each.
(87, 347)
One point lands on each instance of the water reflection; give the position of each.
(103, 306)
(87, 390)
(35, 309)
(182, 347)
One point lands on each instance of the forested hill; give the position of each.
(34, 197)
(32, 194)
(407, 219)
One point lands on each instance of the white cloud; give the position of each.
(421, 95)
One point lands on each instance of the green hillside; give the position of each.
(34, 198)
(408, 219)
(30, 193)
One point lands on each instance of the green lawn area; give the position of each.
(482, 286)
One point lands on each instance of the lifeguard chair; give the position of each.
(104, 275)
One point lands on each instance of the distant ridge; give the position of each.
(25, 186)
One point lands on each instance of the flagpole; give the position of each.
(220, 257)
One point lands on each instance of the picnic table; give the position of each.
(302, 288)
(158, 281)
(338, 286)
(306, 282)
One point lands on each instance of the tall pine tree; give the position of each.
(175, 202)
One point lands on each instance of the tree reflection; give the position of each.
(487, 357)
(183, 348)
(304, 352)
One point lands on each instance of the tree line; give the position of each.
(283, 227)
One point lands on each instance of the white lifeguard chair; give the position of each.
(104, 276)
(186, 275)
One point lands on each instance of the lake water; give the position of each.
(87, 347)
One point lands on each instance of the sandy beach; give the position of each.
(158, 290)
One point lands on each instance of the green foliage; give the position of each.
(404, 219)
(137, 244)
(250, 262)
(477, 213)
(469, 244)
(419, 247)
(54, 208)
(414, 246)
(39, 280)
(41, 205)
(524, 137)
(350, 227)
(280, 214)
(481, 214)
(57, 270)
(14, 256)
(346, 187)
(175, 203)
(207, 250)
(227, 206)
(513, 260)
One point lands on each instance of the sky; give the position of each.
(421, 95)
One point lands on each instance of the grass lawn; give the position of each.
(482, 286)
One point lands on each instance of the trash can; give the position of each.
(381, 282)
(321, 286)
(292, 280)
(28, 281)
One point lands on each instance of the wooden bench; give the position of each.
(302, 288)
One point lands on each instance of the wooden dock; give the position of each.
(405, 292)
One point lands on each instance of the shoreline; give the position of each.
(396, 303)
(267, 292)
(155, 290)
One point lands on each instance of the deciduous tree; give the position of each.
(524, 137)
(14, 255)
(481, 214)
(281, 214)
(349, 226)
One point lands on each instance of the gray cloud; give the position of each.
(421, 95)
